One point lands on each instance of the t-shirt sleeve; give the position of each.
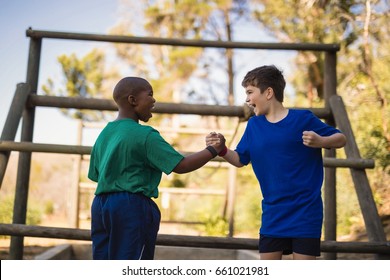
(161, 155)
(93, 173)
(242, 148)
(319, 127)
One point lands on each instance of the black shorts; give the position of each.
(304, 246)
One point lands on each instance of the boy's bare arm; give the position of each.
(312, 139)
(197, 160)
(230, 156)
(233, 158)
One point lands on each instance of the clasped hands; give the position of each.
(218, 141)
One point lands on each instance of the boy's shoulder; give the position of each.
(127, 126)
(300, 113)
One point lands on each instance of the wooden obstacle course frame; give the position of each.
(26, 99)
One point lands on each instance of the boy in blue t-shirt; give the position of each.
(127, 162)
(284, 147)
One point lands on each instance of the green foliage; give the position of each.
(247, 216)
(306, 22)
(215, 225)
(83, 78)
(180, 19)
(348, 210)
(378, 147)
(34, 213)
(49, 207)
(174, 69)
(6, 210)
(177, 183)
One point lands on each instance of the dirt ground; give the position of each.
(29, 252)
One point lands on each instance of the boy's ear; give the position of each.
(132, 100)
(269, 93)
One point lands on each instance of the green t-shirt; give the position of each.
(131, 157)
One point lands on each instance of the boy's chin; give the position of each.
(147, 118)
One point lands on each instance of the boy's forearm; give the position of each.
(337, 140)
(193, 161)
(233, 158)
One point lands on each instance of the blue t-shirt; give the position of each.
(290, 174)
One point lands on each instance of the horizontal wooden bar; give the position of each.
(159, 107)
(44, 148)
(190, 241)
(181, 42)
(72, 102)
(86, 150)
(243, 112)
(189, 191)
(349, 163)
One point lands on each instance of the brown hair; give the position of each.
(264, 77)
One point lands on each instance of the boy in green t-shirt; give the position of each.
(127, 162)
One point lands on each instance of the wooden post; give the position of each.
(12, 122)
(330, 202)
(231, 197)
(24, 164)
(366, 200)
(74, 205)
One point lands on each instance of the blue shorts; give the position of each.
(304, 246)
(124, 226)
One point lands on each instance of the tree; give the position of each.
(305, 21)
(84, 77)
(179, 69)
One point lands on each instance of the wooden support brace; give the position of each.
(12, 122)
(366, 200)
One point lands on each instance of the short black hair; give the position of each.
(130, 86)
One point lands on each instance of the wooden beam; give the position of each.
(190, 241)
(86, 150)
(243, 112)
(181, 42)
(44, 148)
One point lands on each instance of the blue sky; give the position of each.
(82, 16)
(16, 16)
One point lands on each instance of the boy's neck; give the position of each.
(123, 114)
(276, 113)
